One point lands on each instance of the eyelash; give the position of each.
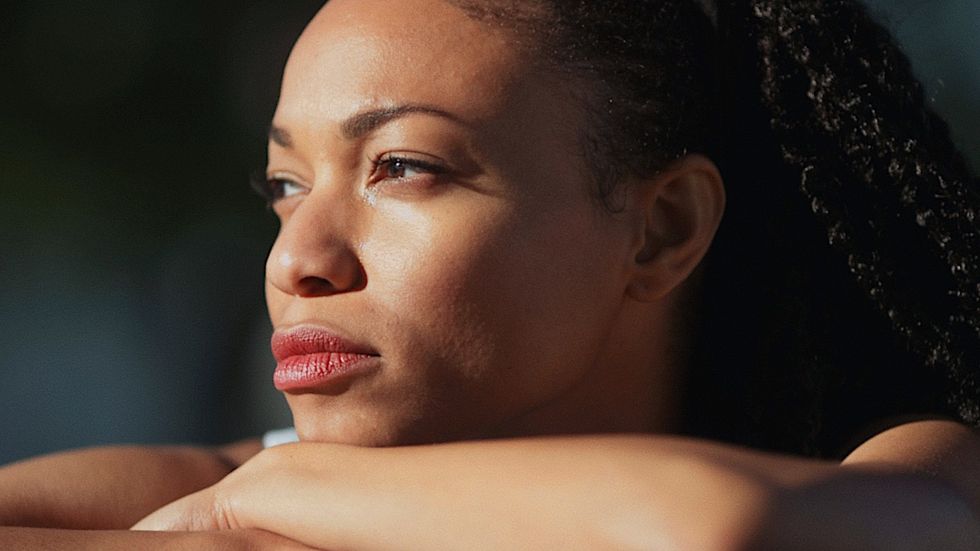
(271, 190)
(388, 161)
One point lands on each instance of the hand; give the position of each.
(218, 508)
(226, 504)
(200, 511)
(250, 540)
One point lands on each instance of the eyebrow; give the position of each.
(280, 136)
(360, 124)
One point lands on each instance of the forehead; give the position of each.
(361, 53)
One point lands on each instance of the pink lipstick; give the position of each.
(310, 357)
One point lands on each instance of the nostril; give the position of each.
(315, 286)
(315, 268)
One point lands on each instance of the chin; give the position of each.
(359, 428)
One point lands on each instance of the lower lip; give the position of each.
(311, 371)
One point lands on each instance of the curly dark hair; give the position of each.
(843, 287)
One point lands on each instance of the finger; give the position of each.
(167, 518)
(261, 539)
(195, 512)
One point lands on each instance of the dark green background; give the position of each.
(131, 251)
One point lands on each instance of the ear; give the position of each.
(677, 213)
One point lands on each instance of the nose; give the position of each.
(312, 255)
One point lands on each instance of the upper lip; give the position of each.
(309, 339)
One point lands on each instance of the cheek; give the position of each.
(435, 277)
(503, 307)
(275, 301)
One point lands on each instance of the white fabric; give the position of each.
(278, 437)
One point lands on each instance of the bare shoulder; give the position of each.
(939, 448)
(923, 443)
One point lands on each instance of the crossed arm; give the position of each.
(86, 499)
(912, 487)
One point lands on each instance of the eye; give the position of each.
(274, 189)
(393, 167)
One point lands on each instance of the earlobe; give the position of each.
(677, 214)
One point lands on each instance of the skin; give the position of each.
(530, 237)
(461, 281)
(503, 300)
(70, 490)
(16, 538)
(85, 499)
(600, 492)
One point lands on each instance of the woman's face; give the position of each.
(438, 224)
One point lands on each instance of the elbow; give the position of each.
(869, 512)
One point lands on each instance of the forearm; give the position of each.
(109, 540)
(82, 540)
(492, 495)
(103, 488)
(585, 493)
(588, 493)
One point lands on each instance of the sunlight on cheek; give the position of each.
(437, 246)
(439, 268)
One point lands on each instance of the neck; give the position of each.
(632, 386)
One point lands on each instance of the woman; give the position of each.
(494, 217)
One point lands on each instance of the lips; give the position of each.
(310, 358)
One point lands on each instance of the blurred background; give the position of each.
(131, 246)
(131, 249)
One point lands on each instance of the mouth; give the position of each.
(312, 358)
